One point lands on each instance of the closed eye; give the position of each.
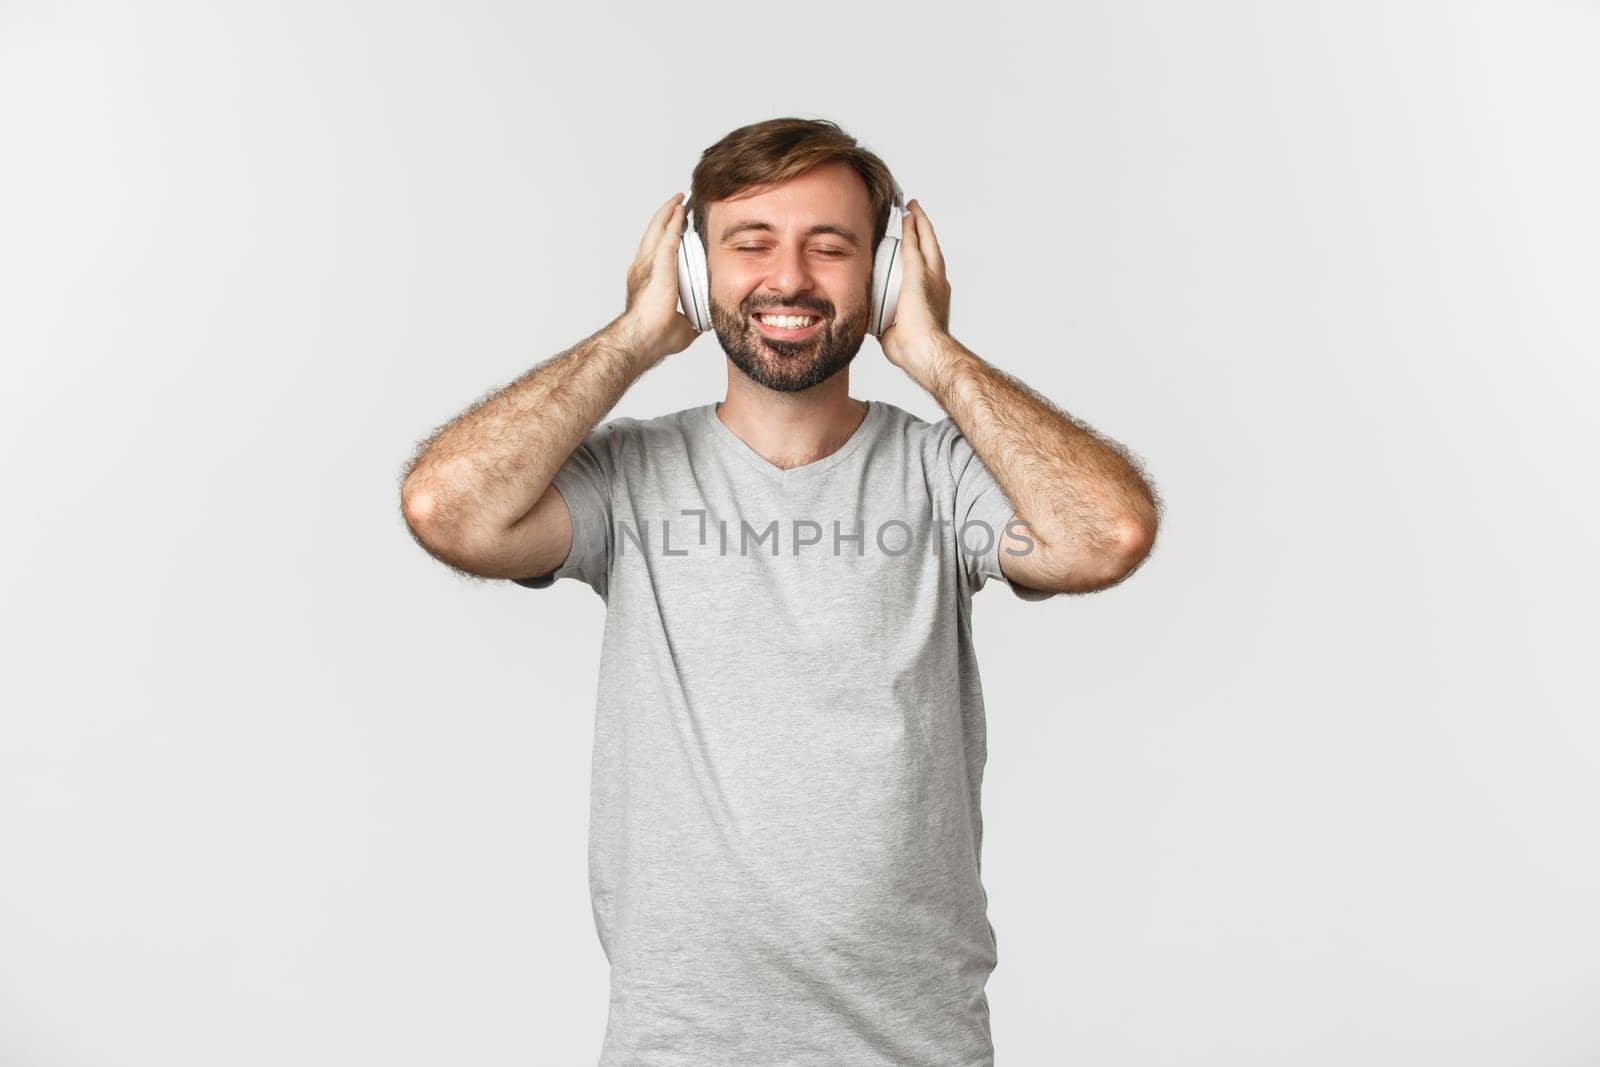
(757, 248)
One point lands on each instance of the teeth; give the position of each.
(787, 322)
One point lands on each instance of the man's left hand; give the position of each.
(922, 314)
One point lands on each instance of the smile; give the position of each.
(784, 334)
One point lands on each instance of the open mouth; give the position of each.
(787, 333)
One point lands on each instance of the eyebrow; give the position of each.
(757, 224)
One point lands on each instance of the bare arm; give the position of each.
(1087, 506)
(478, 494)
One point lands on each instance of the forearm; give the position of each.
(478, 474)
(1080, 493)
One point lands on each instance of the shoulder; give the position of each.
(630, 432)
(905, 426)
(934, 440)
(629, 447)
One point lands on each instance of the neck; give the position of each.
(792, 429)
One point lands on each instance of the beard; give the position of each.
(790, 366)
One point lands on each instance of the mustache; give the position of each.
(804, 307)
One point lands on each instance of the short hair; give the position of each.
(774, 151)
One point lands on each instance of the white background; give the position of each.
(1318, 785)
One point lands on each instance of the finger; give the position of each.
(908, 237)
(658, 224)
(667, 247)
(927, 240)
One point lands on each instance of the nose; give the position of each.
(790, 275)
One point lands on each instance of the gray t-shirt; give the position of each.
(789, 741)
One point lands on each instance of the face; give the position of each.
(764, 252)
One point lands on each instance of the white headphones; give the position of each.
(694, 284)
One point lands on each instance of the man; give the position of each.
(789, 736)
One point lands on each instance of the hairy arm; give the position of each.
(478, 493)
(1087, 506)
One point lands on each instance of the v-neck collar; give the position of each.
(755, 460)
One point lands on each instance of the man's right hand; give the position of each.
(652, 316)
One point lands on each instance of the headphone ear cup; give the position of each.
(885, 285)
(694, 284)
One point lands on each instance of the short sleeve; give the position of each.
(982, 512)
(584, 482)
